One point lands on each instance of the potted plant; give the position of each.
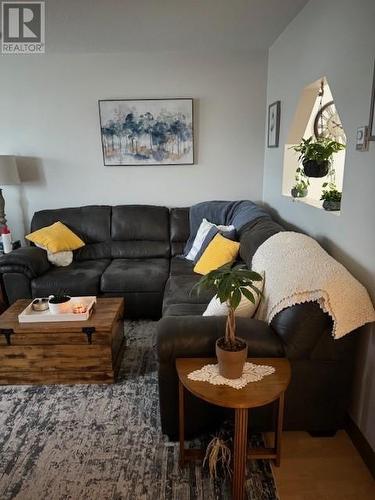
(230, 284)
(300, 188)
(59, 303)
(316, 155)
(331, 197)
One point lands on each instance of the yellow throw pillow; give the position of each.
(219, 252)
(56, 238)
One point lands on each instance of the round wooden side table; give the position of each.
(270, 389)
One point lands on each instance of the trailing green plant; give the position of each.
(230, 283)
(301, 188)
(330, 192)
(319, 150)
(302, 182)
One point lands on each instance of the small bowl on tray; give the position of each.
(40, 304)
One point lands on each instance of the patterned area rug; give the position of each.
(103, 442)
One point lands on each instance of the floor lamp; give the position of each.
(8, 177)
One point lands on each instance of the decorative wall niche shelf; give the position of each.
(316, 116)
(311, 202)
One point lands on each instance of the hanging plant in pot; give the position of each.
(331, 197)
(300, 188)
(231, 284)
(316, 155)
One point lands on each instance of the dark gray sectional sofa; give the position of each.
(127, 253)
(133, 251)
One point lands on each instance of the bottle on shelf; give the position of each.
(6, 238)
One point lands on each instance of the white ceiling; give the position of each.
(146, 25)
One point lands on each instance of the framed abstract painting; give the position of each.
(147, 131)
(273, 124)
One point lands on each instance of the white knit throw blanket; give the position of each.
(298, 270)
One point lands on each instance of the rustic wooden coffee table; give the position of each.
(271, 388)
(65, 352)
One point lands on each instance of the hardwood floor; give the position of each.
(322, 469)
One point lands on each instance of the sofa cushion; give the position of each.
(139, 249)
(93, 251)
(91, 223)
(179, 229)
(140, 231)
(135, 275)
(140, 305)
(80, 278)
(178, 290)
(179, 265)
(254, 234)
(140, 222)
(183, 309)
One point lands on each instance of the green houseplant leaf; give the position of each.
(321, 149)
(230, 283)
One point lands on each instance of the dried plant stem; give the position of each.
(217, 452)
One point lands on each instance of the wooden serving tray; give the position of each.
(28, 315)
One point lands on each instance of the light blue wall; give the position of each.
(335, 38)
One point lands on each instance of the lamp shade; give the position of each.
(8, 171)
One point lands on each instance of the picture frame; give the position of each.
(273, 132)
(149, 131)
(371, 123)
(362, 138)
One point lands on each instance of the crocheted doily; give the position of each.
(251, 373)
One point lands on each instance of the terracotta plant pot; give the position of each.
(231, 363)
(314, 168)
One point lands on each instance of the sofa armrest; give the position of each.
(300, 328)
(190, 336)
(30, 261)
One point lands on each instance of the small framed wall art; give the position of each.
(274, 110)
(147, 131)
(371, 124)
(362, 139)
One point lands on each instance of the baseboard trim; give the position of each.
(361, 443)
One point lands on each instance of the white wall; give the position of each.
(335, 38)
(49, 114)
